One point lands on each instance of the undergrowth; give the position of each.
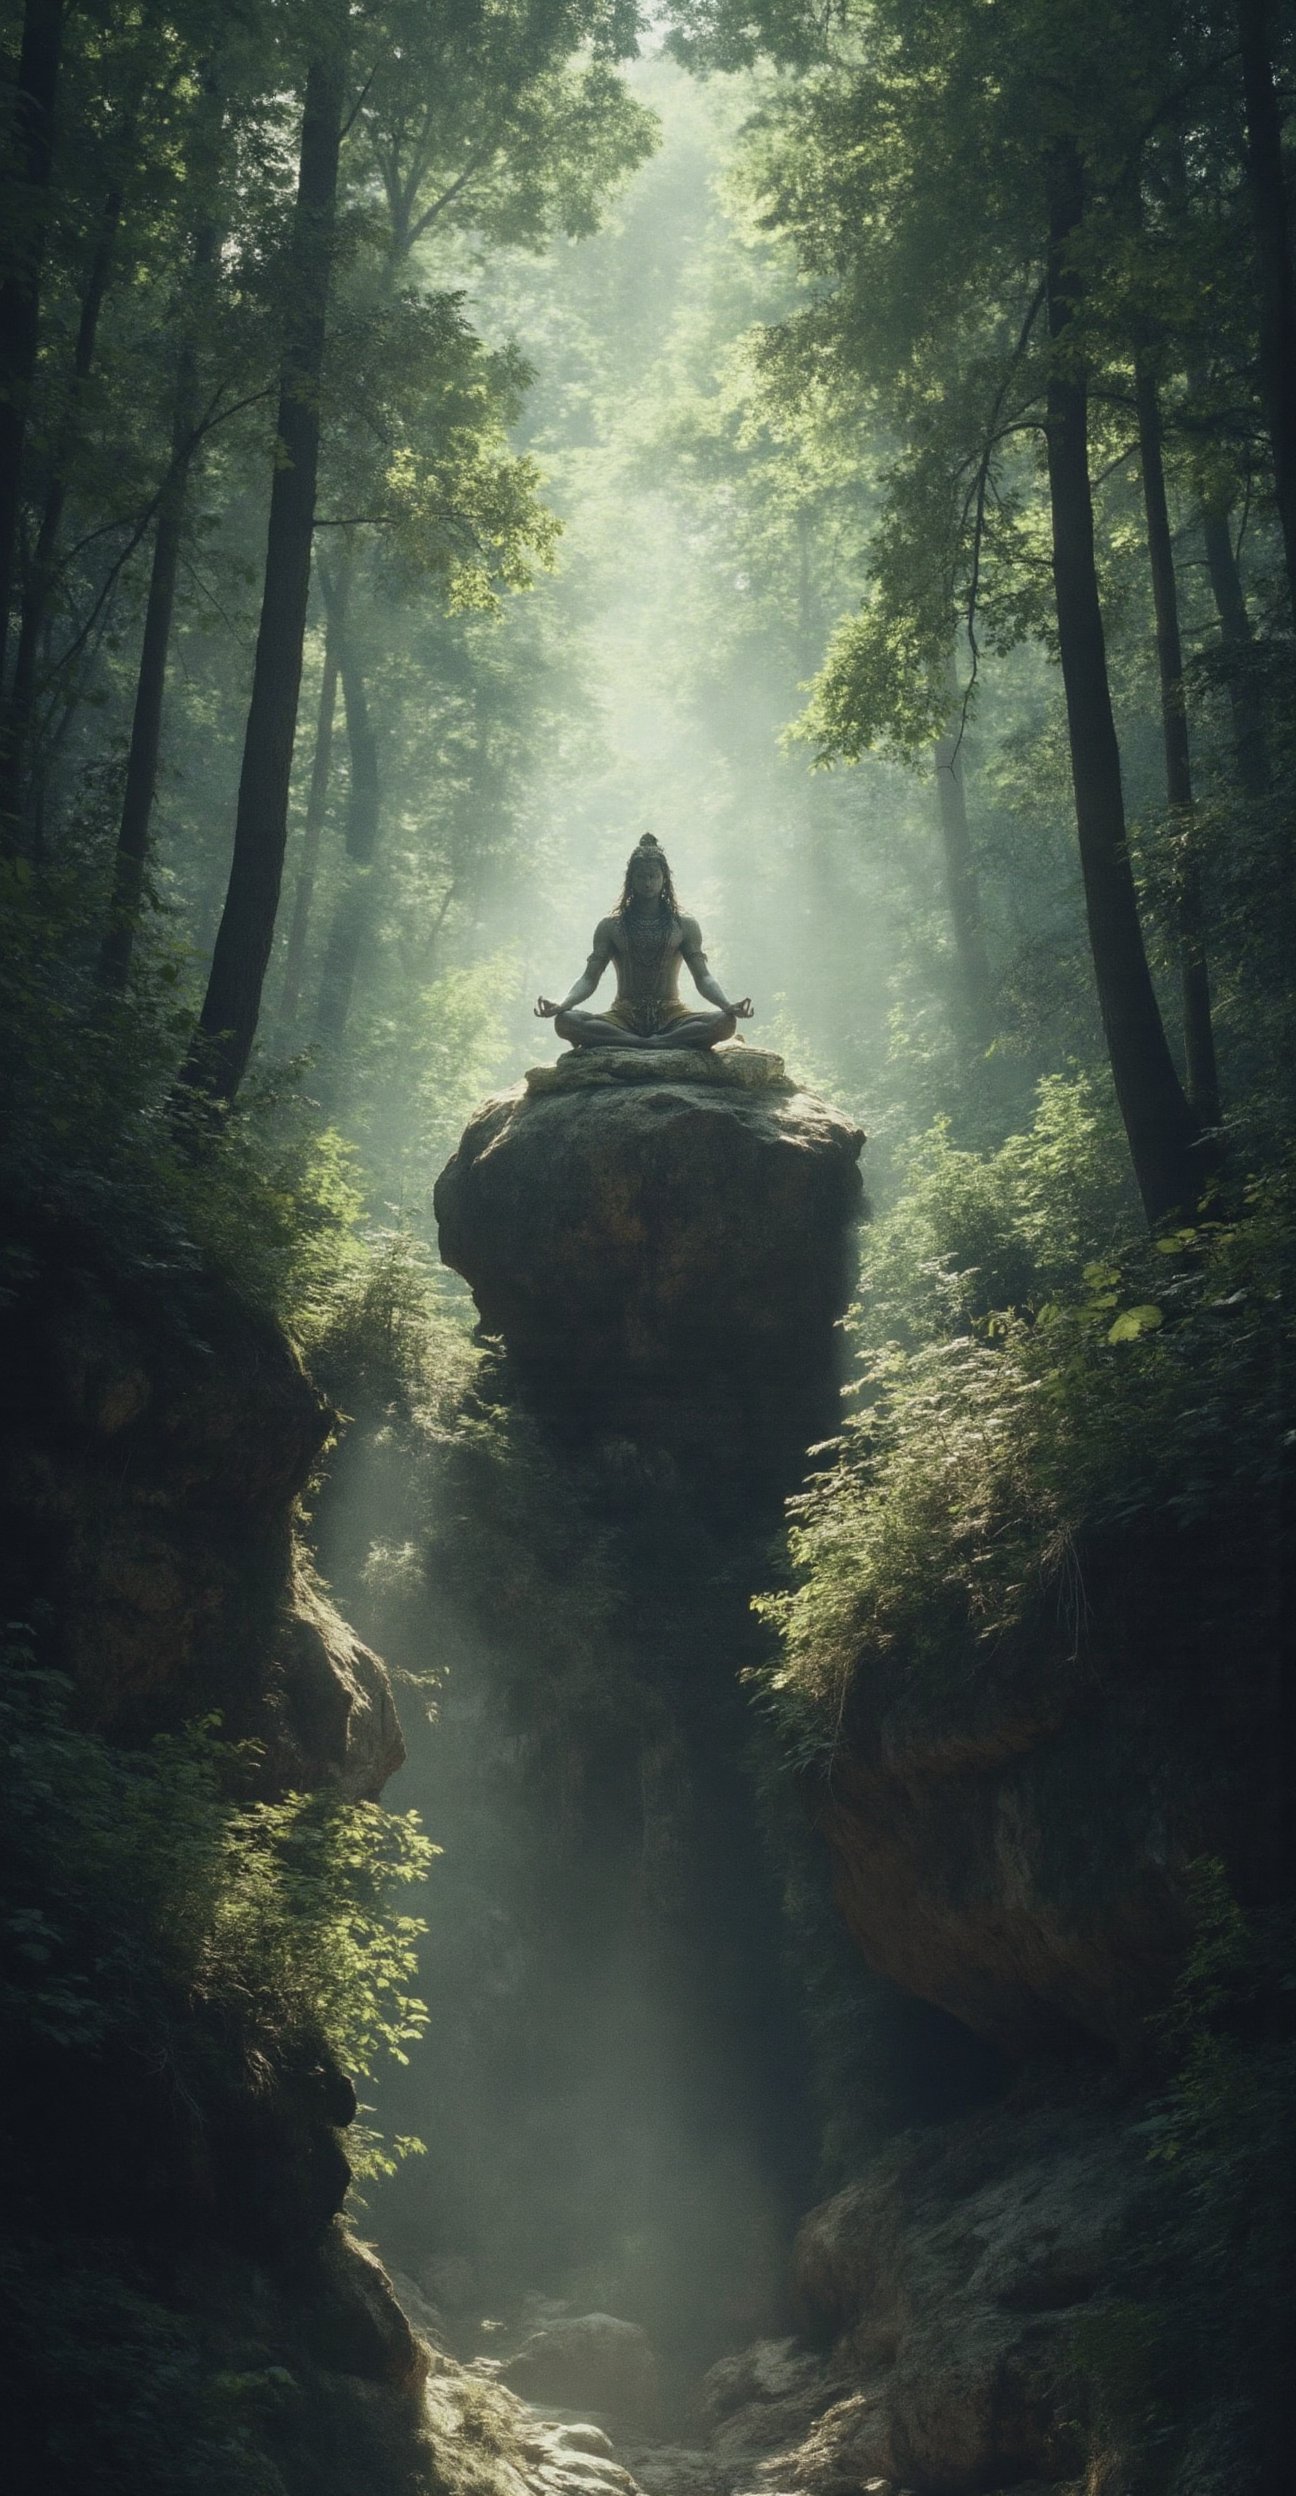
(147, 1907)
(1018, 1391)
(268, 1196)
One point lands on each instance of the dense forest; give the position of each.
(837, 1839)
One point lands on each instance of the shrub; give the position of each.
(991, 1436)
(272, 1202)
(139, 1889)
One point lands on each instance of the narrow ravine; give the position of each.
(650, 2023)
(621, 2089)
(621, 2093)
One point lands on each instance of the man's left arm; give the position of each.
(704, 978)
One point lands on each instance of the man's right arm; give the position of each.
(600, 957)
(589, 979)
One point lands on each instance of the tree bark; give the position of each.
(1159, 1124)
(353, 912)
(348, 932)
(364, 796)
(312, 830)
(1277, 340)
(36, 91)
(150, 686)
(1194, 976)
(963, 892)
(222, 1044)
(1250, 736)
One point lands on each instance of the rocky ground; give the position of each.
(936, 2300)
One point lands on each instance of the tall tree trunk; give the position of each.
(963, 890)
(348, 932)
(223, 1041)
(353, 913)
(35, 93)
(312, 830)
(150, 684)
(20, 705)
(1158, 1121)
(1250, 736)
(1265, 181)
(364, 796)
(1199, 1036)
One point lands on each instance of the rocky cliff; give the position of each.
(660, 1251)
(183, 2307)
(633, 1993)
(1013, 1823)
(157, 1432)
(663, 1240)
(182, 2304)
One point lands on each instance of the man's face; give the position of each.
(646, 879)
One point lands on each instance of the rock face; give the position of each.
(184, 2232)
(1011, 1825)
(939, 2298)
(639, 1226)
(157, 1434)
(951, 2280)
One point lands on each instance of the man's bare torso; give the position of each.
(647, 956)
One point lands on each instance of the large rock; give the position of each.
(158, 1432)
(588, 2361)
(356, 2324)
(951, 2280)
(1012, 1821)
(652, 1227)
(940, 2296)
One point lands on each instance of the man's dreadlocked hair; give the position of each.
(652, 848)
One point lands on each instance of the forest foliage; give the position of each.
(154, 1909)
(1017, 1397)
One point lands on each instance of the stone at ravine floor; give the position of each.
(489, 2441)
(937, 2300)
(588, 2361)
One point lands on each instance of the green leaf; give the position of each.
(1132, 1323)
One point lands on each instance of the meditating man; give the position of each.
(647, 937)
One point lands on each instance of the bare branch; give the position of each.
(473, 167)
(206, 591)
(1121, 460)
(359, 104)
